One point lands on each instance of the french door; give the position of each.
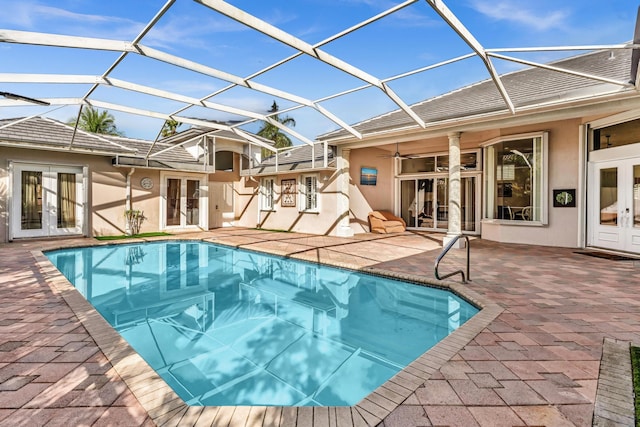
(614, 214)
(184, 202)
(47, 201)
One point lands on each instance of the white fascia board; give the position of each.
(563, 48)
(75, 150)
(569, 108)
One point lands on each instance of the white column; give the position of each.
(455, 198)
(343, 182)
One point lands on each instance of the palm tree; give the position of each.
(273, 133)
(170, 127)
(96, 121)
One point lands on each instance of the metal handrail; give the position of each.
(445, 250)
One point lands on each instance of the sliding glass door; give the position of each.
(424, 202)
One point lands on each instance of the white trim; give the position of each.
(615, 119)
(49, 213)
(266, 204)
(203, 205)
(302, 193)
(489, 179)
(581, 191)
(10, 202)
(502, 138)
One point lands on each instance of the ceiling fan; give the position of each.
(397, 155)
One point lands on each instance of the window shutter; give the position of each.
(310, 193)
(270, 193)
(267, 193)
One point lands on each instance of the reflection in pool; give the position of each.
(224, 326)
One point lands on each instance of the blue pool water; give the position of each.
(230, 327)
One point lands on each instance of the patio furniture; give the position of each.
(385, 222)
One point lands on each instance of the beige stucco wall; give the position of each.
(246, 202)
(563, 168)
(289, 218)
(366, 198)
(563, 165)
(106, 193)
(147, 201)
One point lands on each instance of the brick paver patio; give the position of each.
(536, 363)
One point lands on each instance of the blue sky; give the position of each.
(411, 38)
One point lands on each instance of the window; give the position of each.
(267, 194)
(224, 161)
(516, 179)
(615, 135)
(438, 163)
(309, 193)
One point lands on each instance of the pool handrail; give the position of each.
(445, 250)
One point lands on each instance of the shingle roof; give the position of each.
(196, 131)
(49, 133)
(175, 154)
(525, 88)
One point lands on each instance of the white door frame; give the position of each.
(203, 208)
(49, 209)
(435, 176)
(621, 236)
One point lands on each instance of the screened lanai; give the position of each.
(219, 65)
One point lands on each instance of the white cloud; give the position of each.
(32, 15)
(517, 12)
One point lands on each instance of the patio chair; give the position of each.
(385, 222)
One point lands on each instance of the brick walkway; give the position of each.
(536, 364)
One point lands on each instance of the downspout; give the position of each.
(127, 201)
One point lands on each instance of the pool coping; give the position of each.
(164, 406)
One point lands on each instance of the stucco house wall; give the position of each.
(563, 165)
(289, 218)
(563, 172)
(106, 193)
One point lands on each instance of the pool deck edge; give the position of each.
(165, 407)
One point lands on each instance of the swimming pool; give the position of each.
(224, 326)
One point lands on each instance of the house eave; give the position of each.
(73, 150)
(121, 161)
(579, 107)
(261, 172)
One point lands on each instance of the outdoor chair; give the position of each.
(385, 222)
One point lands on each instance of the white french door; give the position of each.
(47, 201)
(184, 202)
(614, 214)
